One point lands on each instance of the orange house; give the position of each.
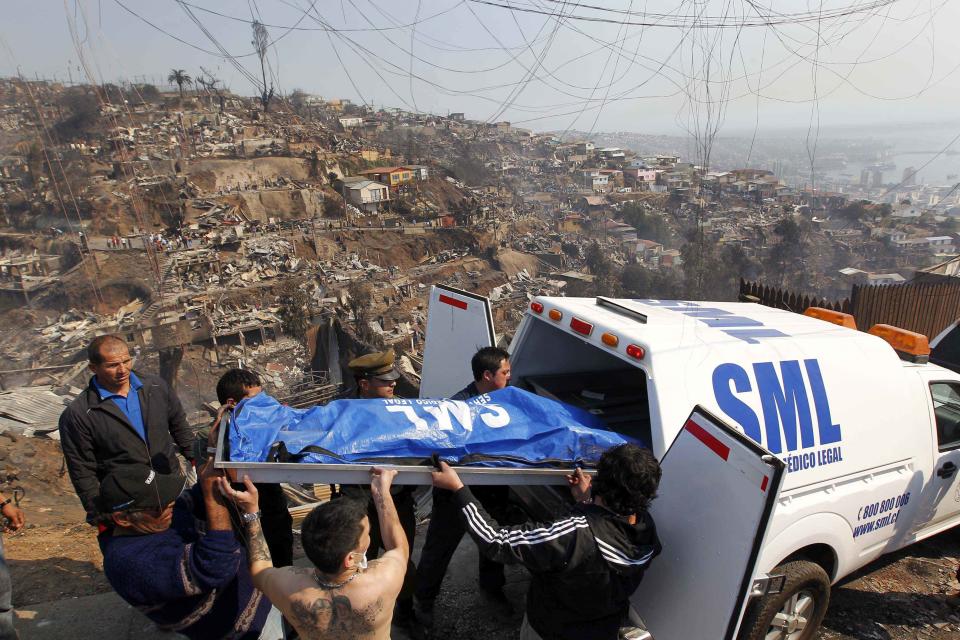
(394, 177)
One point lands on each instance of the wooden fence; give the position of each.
(780, 299)
(926, 306)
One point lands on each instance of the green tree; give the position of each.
(710, 273)
(360, 303)
(854, 212)
(649, 225)
(637, 281)
(148, 92)
(294, 310)
(786, 257)
(411, 147)
(601, 267)
(699, 259)
(180, 77)
(84, 110)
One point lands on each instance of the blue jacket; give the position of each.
(186, 580)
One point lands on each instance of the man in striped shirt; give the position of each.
(586, 565)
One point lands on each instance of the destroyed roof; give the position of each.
(30, 408)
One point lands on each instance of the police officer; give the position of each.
(376, 378)
(375, 375)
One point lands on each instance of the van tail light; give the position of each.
(610, 340)
(909, 345)
(580, 326)
(635, 351)
(556, 315)
(834, 317)
(536, 307)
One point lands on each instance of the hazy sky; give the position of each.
(544, 64)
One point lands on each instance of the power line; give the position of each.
(710, 22)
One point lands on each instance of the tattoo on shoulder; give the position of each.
(333, 616)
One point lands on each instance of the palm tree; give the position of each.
(181, 78)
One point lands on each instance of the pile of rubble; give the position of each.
(532, 243)
(280, 364)
(266, 258)
(525, 287)
(228, 320)
(74, 329)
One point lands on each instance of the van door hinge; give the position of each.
(767, 585)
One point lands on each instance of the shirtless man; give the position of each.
(343, 596)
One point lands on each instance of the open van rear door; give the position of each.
(715, 502)
(945, 348)
(458, 323)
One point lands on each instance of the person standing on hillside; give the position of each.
(491, 372)
(121, 418)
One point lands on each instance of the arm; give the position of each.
(393, 563)
(218, 517)
(213, 431)
(394, 539)
(11, 512)
(258, 552)
(81, 462)
(215, 558)
(540, 547)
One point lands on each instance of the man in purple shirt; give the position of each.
(176, 558)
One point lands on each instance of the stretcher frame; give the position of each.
(322, 473)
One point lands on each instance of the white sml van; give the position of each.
(845, 450)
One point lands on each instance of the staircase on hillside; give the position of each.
(166, 285)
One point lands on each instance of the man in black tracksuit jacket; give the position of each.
(101, 431)
(586, 565)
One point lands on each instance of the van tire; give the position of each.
(801, 605)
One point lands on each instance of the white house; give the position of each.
(367, 195)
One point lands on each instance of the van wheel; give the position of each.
(796, 612)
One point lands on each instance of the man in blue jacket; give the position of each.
(175, 556)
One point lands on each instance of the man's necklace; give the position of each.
(334, 586)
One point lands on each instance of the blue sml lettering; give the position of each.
(733, 406)
(784, 401)
(749, 330)
(784, 406)
(829, 432)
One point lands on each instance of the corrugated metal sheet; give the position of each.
(30, 408)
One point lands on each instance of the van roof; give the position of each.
(671, 325)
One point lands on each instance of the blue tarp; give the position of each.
(506, 428)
